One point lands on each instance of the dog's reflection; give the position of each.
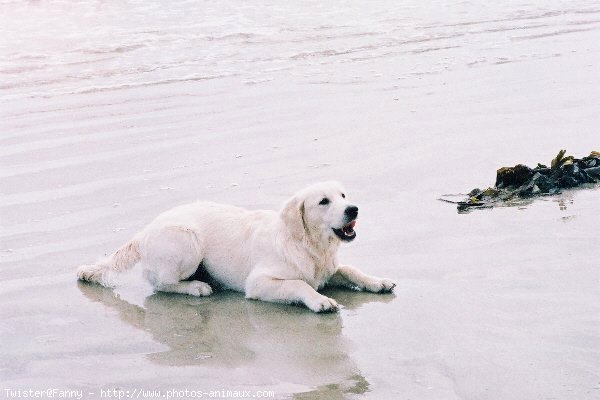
(226, 330)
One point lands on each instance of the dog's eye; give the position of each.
(324, 201)
(343, 196)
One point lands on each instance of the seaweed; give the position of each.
(521, 182)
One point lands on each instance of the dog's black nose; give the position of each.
(351, 212)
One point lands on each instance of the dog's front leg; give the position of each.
(352, 277)
(272, 289)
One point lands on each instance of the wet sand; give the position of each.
(493, 304)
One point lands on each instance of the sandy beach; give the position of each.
(112, 113)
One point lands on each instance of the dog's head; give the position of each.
(322, 212)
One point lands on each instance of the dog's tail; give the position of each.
(121, 260)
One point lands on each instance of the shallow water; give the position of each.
(113, 112)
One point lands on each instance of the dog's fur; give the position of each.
(282, 257)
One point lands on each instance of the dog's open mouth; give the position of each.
(346, 232)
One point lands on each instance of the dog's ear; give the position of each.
(292, 216)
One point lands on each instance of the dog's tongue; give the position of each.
(349, 228)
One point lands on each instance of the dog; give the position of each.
(272, 256)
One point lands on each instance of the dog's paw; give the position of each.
(199, 289)
(381, 286)
(323, 304)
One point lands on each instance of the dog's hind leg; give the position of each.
(171, 255)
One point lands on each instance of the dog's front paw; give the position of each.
(381, 286)
(199, 289)
(323, 304)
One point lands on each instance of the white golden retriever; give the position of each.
(281, 257)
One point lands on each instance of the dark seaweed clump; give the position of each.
(523, 182)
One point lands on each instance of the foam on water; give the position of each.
(57, 48)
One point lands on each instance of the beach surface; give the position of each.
(113, 112)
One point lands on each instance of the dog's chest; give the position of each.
(323, 274)
(313, 265)
(322, 271)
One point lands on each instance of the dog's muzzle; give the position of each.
(347, 232)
